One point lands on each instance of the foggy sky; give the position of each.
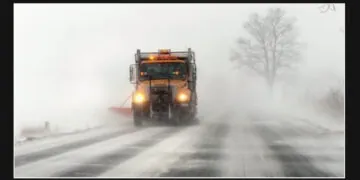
(77, 56)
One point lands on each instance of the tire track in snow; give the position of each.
(163, 154)
(100, 165)
(294, 163)
(204, 161)
(246, 152)
(75, 158)
(35, 156)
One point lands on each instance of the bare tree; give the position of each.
(272, 45)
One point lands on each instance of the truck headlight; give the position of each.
(139, 98)
(182, 97)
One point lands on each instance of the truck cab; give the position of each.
(165, 86)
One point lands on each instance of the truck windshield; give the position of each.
(162, 71)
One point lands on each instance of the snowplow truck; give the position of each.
(165, 86)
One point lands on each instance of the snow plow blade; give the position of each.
(124, 111)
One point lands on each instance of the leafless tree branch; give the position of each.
(274, 44)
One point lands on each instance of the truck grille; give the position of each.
(161, 93)
(160, 90)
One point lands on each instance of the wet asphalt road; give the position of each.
(224, 146)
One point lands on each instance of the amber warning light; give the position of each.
(162, 57)
(164, 51)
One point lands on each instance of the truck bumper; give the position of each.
(177, 108)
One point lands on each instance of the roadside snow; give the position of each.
(320, 138)
(326, 151)
(54, 141)
(72, 159)
(79, 122)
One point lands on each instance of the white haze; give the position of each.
(71, 60)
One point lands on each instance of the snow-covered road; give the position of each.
(244, 145)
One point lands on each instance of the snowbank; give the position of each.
(74, 121)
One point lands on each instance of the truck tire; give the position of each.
(137, 118)
(175, 120)
(187, 117)
(137, 122)
(195, 121)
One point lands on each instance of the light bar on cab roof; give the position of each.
(161, 57)
(180, 54)
(164, 51)
(165, 54)
(177, 54)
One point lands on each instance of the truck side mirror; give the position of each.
(132, 71)
(193, 72)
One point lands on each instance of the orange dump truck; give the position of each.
(165, 86)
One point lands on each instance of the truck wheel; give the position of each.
(172, 116)
(137, 119)
(137, 122)
(187, 117)
(192, 119)
(184, 118)
(175, 119)
(196, 121)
